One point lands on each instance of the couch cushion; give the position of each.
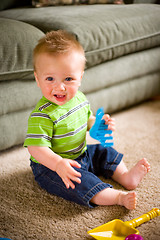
(105, 31)
(13, 128)
(18, 95)
(126, 94)
(17, 40)
(121, 70)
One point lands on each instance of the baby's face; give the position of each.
(59, 77)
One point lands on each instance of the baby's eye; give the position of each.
(50, 79)
(68, 79)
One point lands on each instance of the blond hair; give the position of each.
(57, 42)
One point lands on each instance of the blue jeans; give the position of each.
(96, 161)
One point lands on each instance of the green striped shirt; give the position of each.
(61, 128)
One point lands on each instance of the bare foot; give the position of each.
(136, 174)
(127, 200)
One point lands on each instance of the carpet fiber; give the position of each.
(28, 212)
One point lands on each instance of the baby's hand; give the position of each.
(109, 121)
(65, 170)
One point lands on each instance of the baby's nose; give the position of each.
(59, 86)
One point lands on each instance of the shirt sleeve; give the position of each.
(83, 97)
(90, 113)
(40, 130)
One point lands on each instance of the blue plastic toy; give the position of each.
(5, 239)
(99, 130)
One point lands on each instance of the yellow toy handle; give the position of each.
(144, 218)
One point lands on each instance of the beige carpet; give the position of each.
(28, 212)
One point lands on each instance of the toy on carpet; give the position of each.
(119, 230)
(5, 239)
(134, 237)
(99, 130)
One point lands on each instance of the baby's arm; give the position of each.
(91, 122)
(62, 166)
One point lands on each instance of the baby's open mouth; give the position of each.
(60, 97)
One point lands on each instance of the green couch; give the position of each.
(121, 43)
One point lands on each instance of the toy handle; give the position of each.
(94, 128)
(99, 115)
(144, 218)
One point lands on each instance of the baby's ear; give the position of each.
(79, 83)
(82, 75)
(36, 78)
(81, 79)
